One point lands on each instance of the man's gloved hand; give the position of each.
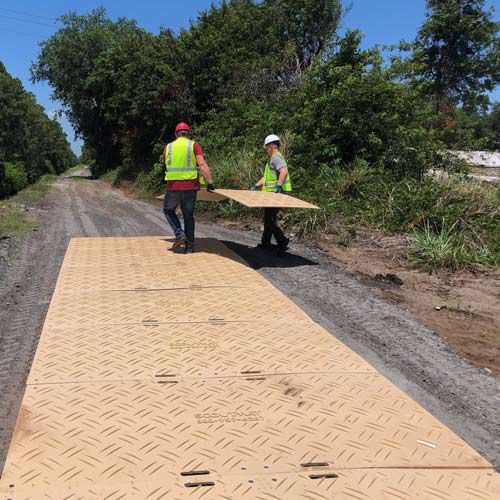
(278, 189)
(254, 188)
(210, 188)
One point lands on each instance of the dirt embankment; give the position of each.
(411, 355)
(462, 307)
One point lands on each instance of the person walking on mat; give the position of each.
(275, 179)
(184, 162)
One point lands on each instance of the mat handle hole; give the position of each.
(315, 464)
(195, 473)
(323, 476)
(199, 485)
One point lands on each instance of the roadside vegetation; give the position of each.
(31, 144)
(15, 217)
(361, 127)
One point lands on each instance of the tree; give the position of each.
(253, 51)
(31, 144)
(308, 26)
(124, 89)
(352, 110)
(457, 54)
(494, 123)
(115, 83)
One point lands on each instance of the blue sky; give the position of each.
(23, 23)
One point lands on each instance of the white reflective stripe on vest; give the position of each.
(275, 183)
(169, 156)
(188, 159)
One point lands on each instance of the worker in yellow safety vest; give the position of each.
(185, 171)
(276, 179)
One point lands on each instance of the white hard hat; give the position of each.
(271, 138)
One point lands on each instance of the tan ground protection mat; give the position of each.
(166, 376)
(253, 199)
(84, 353)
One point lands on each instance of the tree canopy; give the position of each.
(244, 68)
(457, 50)
(31, 144)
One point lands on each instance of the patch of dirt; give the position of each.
(462, 307)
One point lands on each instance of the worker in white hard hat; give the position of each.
(275, 179)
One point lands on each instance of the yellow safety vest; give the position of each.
(180, 160)
(270, 179)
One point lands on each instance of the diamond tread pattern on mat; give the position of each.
(139, 430)
(146, 393)
(126, 352)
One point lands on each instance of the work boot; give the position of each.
(282, 247)
(264, 246)
(178, 242)
(189, 248)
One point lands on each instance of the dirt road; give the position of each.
(410, 355)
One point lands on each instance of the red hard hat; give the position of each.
(182, 126)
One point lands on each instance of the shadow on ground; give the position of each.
(257, 258)
(77, 177)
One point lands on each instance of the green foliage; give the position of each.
(35, 192)
(360, 135)
(444, 248)
(457, 51)
(31, 144)
(116, 83)
(14, 219)
(239, 170)
(454, 221)
(152, 183)
(14, 222)
(235, 125)
(350, 108)
(114, 177)
(13, 179)
(253, 51)
(493, 120)
(124, 89)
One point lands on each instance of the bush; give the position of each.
(446, 247)
(152, 183)
(114, 177)
(14, 178)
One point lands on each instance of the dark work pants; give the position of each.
(187, 200)
(271, 227)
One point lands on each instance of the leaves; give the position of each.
(31, 144)
(458, 53)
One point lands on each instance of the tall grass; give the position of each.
(14, 220)
(453, 222)
(446, 247)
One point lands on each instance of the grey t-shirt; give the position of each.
(276, 163)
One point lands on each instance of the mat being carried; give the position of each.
(253, 199)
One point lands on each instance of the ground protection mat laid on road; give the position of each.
(143, 253)
(381, 484)
(83, 353)
(223, 390)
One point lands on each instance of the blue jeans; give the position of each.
(186, 199)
